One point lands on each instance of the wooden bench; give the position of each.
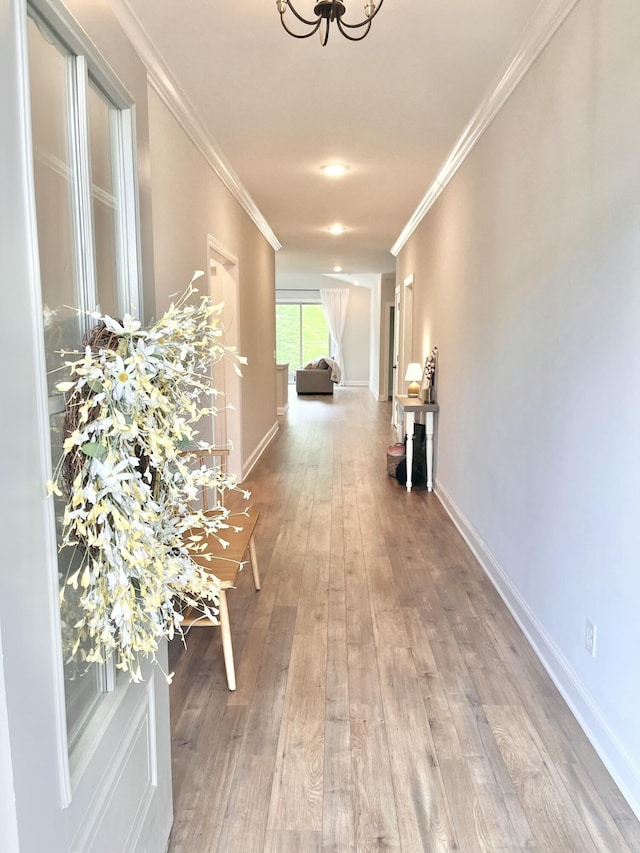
(225, 564)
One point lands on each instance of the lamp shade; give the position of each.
(414, 377)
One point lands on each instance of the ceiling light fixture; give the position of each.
(337, 269)
(336, 229)
(327, 11)
(334, 170)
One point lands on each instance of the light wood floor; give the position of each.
(386, 699)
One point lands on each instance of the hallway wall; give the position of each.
(190, 202)
(527, 278)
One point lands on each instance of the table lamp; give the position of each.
(414, 377)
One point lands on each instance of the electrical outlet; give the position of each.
(590, 638)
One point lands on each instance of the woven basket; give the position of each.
(392, 463)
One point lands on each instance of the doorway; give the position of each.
(389, 350)
(226, 426)
(395, 355)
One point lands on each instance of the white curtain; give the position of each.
(334, 302)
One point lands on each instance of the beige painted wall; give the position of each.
(357, 333)
(527, 277)
(190, 202)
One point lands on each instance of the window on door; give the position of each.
(85, 208)
(302, 335)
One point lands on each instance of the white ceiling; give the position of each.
(391, 107)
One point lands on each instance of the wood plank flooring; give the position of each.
(386, 699)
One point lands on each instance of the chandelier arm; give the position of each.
(342, 23)
(300, 18)
(353, 38)
(311, 32)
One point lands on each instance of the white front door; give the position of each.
(89, 752)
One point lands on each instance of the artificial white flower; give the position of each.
(111, 475)
(124, 381)
(89, 493)
(127, 327)
(146, 358)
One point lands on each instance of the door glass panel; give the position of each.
(84, 684)
(288, 336)
(315, 333)
(302, 335)
(106, 213)
(55, 186)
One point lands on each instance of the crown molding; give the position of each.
(546, 21)
(161, 80)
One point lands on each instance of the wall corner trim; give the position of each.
(621, 766)
(546, 21)
(184, 112)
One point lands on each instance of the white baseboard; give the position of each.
(614, 756)
(377, 396)
(357, 383)
(250, 464)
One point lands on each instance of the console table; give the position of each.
(409, 407)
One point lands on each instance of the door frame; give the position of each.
(397, 318)
(388, 350)
(225, 288)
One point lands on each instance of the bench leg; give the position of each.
(254, 564)
(227, 648)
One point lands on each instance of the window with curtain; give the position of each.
(302, 334)
(85, 208)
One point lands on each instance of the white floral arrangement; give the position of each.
(131, 489)
(430, 366)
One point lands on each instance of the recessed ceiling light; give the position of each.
(336, 229)
(334, 170)
(337, 269)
